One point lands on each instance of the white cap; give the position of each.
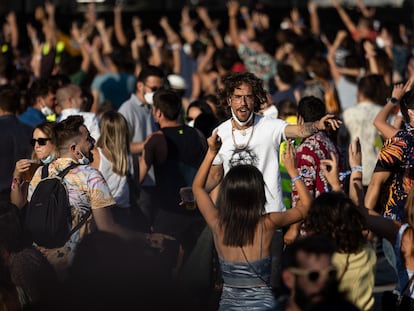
(176, 82)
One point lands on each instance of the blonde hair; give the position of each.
(114, 139)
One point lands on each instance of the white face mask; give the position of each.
(48, 159)
(149, 98)
(241, 123)
(191, 123)
(380, 42)
(84, 160)
(46, 111)
(187, 49)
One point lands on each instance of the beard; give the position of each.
(329, 292)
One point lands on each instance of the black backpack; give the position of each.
(48, 217)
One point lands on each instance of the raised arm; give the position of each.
(379, 225)
(202, 197)
(155, 46)
(314, 18)
(366, 12)
(174, 42)
(293, 215)
(350, 25)
(233, 11)
(380, 122)
(340, 36)
(248, 21)
(14, 32)
(118, 29)
(84, 47)
(210, 26)
(356, 192)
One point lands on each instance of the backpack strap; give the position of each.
(45, 171)
(81, 223)
(66, 170)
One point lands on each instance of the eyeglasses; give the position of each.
(247, 98)
(314, 275)
(40, 141)
(153, 88)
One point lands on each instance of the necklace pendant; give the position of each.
(243, 132)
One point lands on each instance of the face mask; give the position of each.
(380, 42)
(46, 111)
(48, 159)
(187, 49)
(191, 123)
(149, 98)
(84, 160)
(240, 123)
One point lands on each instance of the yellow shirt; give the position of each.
(358, 276)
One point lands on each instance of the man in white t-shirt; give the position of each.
(248, 138)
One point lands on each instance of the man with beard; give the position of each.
(87, 190)
(249, 138)
(308, 273)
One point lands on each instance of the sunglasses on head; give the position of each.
(314, 275)
(40, 141)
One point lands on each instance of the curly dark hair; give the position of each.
(335, 215)
(234, 80)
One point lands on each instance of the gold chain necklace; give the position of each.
(241, 147)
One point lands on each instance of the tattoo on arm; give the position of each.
(307, 129)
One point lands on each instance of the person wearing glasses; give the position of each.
(335, 215)
(137, 111)
(249, 138)
(44, 152)
(310, 276)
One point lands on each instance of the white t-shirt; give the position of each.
(262, 151)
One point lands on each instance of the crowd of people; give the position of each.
(296, 141)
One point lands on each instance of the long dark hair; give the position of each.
(240, 202)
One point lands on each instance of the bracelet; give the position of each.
(294, 179)
(343, 175)
(213, 31)
(392, 100)
(356, 168)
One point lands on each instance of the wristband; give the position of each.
(356, 168)
(213, 31)
(294, 179)
(393, 100)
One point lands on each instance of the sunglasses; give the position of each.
(40, 141)
(314, 275)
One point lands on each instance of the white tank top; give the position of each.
(117, 184)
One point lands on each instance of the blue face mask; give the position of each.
(49, 158)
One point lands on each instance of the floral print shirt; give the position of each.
(397, 157)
